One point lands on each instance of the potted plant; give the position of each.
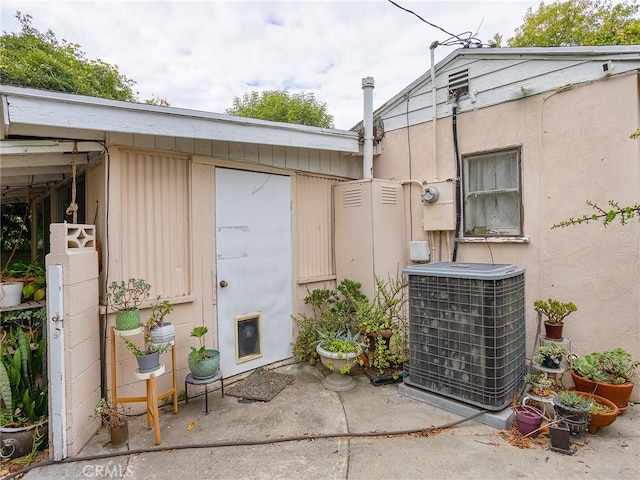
(161, 331)
(573, 409)
(608, 374)
(602, 412)
(528, 420)
(23, 397)
(338, 351)
(382, 324)
(125, 298)
(550, 355)
(148, 357)
(12, 283)
(115, 417)
(203, 362)
(540, 385)
(556, 312)
(331, 311)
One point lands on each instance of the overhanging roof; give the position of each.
(40, 130)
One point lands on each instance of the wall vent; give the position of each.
(352, 197)
(458, 83)
(389, 194)
(467, 331)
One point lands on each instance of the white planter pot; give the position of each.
(11, 294)
(336, 381)
(164, 334)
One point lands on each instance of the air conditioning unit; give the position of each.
(467, 331)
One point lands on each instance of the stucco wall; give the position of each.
(575, 147)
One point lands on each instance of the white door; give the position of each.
(254, 278)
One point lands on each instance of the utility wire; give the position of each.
(453, 38)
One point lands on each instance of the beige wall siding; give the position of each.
(155, 221)
(314, 222)
(575, 147)
(301, 159)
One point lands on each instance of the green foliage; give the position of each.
(39, 60)
(613, 366)
(197, 354)
(554, 310)
(110, 413)
(127, 296)
(550, 354)
(572, 400)
(148, 348)
(23, 368)
(579, 22)
(332, 311)
(607, 216)
(159, 310)
(282, 106)
(340, 342)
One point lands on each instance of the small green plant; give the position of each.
(127, 296)
(554, 310)
(109, 413)
(148, 348)
(539, 379)
(572, 400)
(159, 310)
(615, 366)
(197, 354)
(340, 342)
(22, 386)
(550, 354)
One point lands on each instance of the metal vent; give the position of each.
(389, 195)
(352, 197)
(467, 331)
(458, 84)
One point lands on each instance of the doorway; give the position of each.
(254, 269)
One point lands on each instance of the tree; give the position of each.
(579, 22)
(39, 60)
(282, 106)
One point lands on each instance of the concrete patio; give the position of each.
(272, 440)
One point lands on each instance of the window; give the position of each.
(492, 200)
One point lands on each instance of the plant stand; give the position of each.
(152, 396)
(190, 379)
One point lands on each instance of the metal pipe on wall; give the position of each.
(367, 159)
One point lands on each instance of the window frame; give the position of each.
(517, 149)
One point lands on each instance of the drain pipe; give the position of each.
(434, 104)
(454, 124)
(367, 158)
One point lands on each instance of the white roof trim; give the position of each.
(29, 109)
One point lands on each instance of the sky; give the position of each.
(200, 55)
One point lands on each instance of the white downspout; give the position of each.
(367, 157)
(434, 116)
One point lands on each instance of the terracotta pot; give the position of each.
(553, 330)
(618, 394)
(601, 419)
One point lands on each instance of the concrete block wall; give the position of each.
(73, 247)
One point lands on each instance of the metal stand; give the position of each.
(203, 381)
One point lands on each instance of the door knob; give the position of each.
(223, 284)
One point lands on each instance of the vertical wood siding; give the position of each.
(155, 220)
(314, 227)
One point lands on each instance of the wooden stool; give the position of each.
(152, 398)
(203, 381)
